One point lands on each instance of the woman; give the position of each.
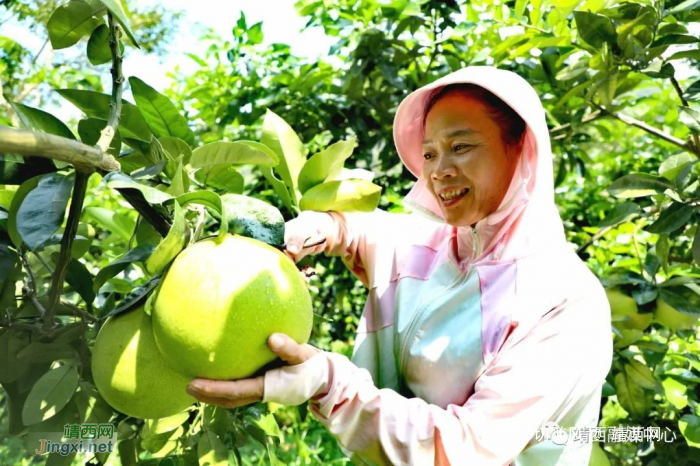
(481, 325)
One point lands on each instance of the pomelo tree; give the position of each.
(87, 226)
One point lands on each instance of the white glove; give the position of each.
(309, 228)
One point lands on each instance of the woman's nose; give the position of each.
(444, 169)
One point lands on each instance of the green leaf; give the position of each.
(674, 165)
(621, 213)
(90, 131)
(116, 8)
(254, 218)
(96, 105)
(209, 199)
(631, 395)
(325, 165)
(641, 374)
(98, 50)
(638, 185)
(693, 89)
(92, 408)
(221, 177)
(663, 247)
(687, 5)
(673, 39)
(675, 393)
(39, 120)
(50, 394)
(135, 299)
(8, 262)
(342, 196)
(163, 425)
(41, 213)
(268, 424)
(78, 276)
(69, 23)
(171, 245)
(17, 172)
(595, 29)
(11, 368)
(17, 201)
(159, 112)
(59, 459)
(281, 138)
(138, 254)
(211, 451)
(176, 147)
(689, 425)
(233, 153)
(119, 180)
(682, 298)
(690, 118)
(37, 352)
(180, 182)
(112, 222)
(696, 247)
(671, 219)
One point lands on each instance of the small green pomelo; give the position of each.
(221, 300)
(130, 373)
(625, 306)
(671, 318)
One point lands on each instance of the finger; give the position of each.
(289, 350)
(230, 389)
(226, 403)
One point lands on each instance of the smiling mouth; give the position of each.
(449, 197)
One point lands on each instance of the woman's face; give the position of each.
(467, 166)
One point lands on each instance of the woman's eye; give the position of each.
(428, 156)
(460, 147)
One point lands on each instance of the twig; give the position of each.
(679, 91)
(651, 130)
(32, 287)
(35, 144)
(435, 47)
(594, 238)
(76, 207)
(593, 116)
(79, 312)
(36, 57)
(44, 263)
(115, 105)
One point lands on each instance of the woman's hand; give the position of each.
(234, 393)
(308, 228)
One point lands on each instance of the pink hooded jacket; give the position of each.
(471, 339)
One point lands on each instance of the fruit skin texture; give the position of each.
(130, 373)
(669, 317)
(623, 305)
(220, 301)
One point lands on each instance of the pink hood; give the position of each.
(527, 218)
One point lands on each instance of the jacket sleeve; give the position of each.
(559, 364)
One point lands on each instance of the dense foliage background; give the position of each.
(619, 81)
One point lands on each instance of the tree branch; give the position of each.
(117, 80)
(650, 129)
(79, 312)
(594, 238)
(32, 143)
(76, 207)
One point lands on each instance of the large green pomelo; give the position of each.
(626, 307)
(671, 318)
(221, 300)
(131, 374)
